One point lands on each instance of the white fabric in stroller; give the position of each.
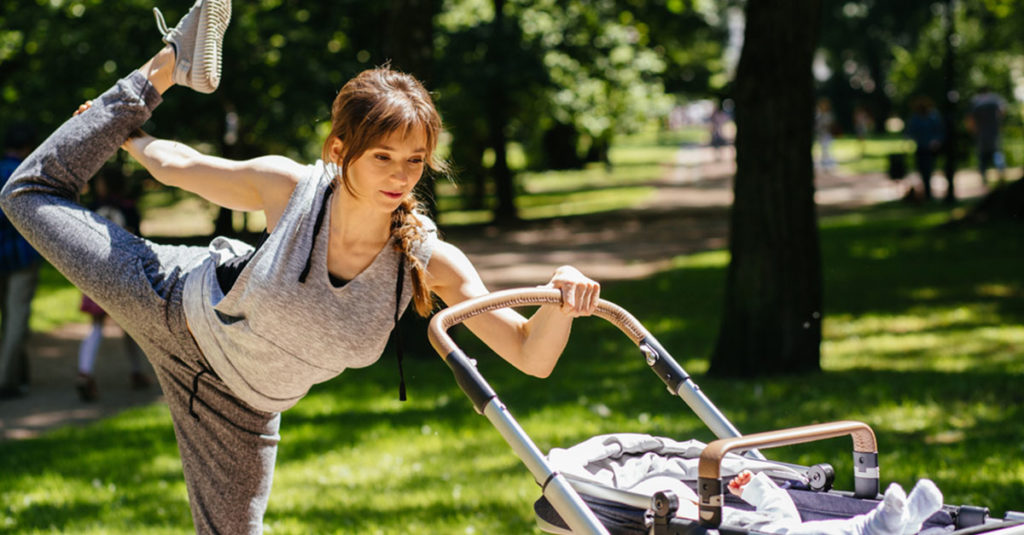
(629, 468)
(624, 460)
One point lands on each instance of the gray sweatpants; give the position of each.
(227, 447)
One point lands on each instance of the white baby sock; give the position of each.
(890, 515)
(924, 500)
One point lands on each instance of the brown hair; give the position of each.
(369, 108)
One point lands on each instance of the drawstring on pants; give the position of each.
(195, 389)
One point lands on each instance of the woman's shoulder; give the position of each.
(280, 168)
(279, 178)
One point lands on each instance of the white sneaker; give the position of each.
(197, 43)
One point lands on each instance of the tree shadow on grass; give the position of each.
(73, 477)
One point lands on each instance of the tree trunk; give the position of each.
(408, 42)
(772, 316)
(1004, 203)
(497, 114)
(409, 37)
(881, 107)
(949, 112)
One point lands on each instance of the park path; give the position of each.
(687, 213)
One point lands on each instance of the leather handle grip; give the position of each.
(456, 314)
(711, 457)
(709, 483)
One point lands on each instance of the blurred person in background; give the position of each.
(110, 201)
(19, 274)
(825, 129)
(985, 120)
(926, 128)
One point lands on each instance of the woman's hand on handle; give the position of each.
(533, 346)
(580, 293)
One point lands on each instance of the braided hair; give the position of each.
(370, 107)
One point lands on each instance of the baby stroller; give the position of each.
(590, 488)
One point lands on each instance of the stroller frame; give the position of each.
(567, 501)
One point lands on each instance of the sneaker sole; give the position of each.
(206, 56)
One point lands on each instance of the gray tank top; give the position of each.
(272, 337)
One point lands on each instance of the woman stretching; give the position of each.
(236, 334)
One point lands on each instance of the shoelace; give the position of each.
(195, 392)
(161, 24)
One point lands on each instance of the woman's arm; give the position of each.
(264, 183)
(533, 346)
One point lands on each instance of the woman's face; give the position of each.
(387, 172)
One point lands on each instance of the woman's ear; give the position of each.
(335, 150)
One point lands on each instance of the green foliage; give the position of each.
(57, 54)
(274, 72)
(883, 54)
(599, 67)
(984, 57)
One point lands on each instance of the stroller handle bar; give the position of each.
(454, 315)
(659, 360)
(865, 455)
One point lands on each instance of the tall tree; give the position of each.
(773, 303)
(497, 117)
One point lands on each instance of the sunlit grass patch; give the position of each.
(592, 189)
(56, 301)
(709, 259)
(871, 156)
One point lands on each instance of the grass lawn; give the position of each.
(924, 332)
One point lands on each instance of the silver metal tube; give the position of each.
(709, 414)
(562, 496)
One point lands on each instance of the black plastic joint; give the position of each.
(664, 365)
(865, 474)
(968, 516)
(470, 380)
(664, 504)
(710, 509)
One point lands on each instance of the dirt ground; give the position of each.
(688, 213)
